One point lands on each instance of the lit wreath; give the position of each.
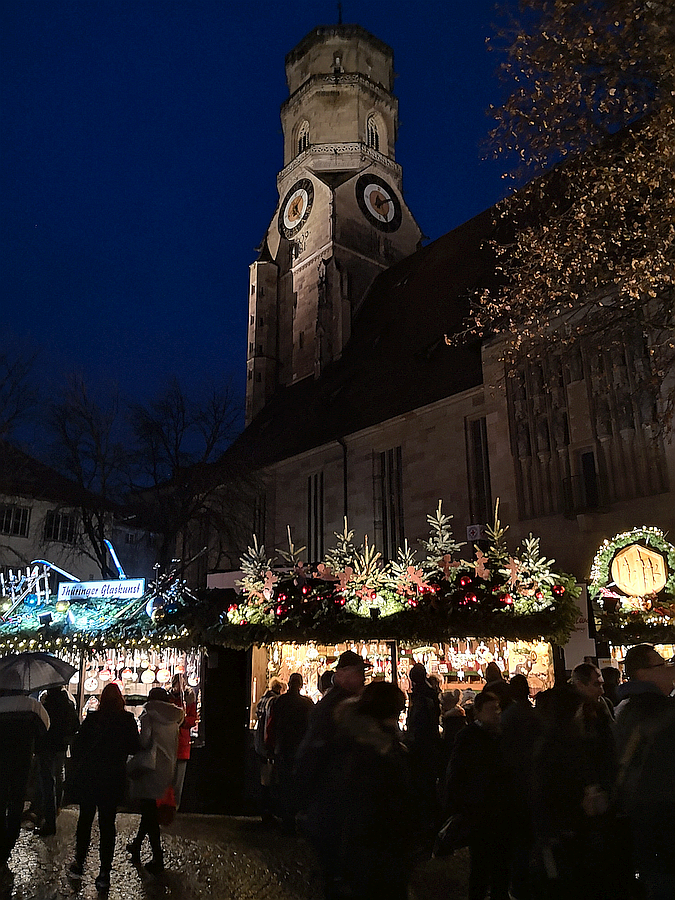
(600, 584)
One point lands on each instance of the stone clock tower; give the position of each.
(341, 217)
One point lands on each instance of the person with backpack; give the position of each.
(261, 744)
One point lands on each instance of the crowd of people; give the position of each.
(568, 795)
(113, 759)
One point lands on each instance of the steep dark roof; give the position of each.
(396, 359)
(346, 32)
(23, 476)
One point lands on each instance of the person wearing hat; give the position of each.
(319, 763)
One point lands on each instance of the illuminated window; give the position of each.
(60, 527)
(14, 520)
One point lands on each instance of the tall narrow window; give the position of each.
(478, 467)
(303, 137)
(388, 489)
(315, 517)
(373, 134)
(589, 480)
(259, 516)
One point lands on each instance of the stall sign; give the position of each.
(124, 589)
(639, 571)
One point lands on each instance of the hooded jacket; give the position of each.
(159, 724)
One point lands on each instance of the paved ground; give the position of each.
(225, 857)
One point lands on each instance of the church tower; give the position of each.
(341, 218)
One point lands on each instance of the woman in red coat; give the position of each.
(183, 696)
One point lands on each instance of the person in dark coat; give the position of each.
(319, 764)
(375, 851)
(644, 723)
(423, 740)
(453, 720)
(569, 803)
(478, 790)
(23, 722)
(159, 723)
(100, 750)
(288, 724)
(51, 752)
(520, 732)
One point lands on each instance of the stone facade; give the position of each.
(379, 419)
(324, 246)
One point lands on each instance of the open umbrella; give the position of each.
(24, 673)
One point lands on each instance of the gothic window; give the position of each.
(373, 133)
(303, 136)
(315, 517)
(582, 428)
(388, 497)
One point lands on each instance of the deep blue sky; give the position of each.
(140, 146)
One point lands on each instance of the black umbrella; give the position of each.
(24, 673)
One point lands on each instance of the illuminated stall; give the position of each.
(452, 613)
(632, 592)
(117, 630)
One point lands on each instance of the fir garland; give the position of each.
(616, 616)
(353, 595)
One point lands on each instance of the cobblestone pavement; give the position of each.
(226, 858)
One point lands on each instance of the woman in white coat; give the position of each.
(159, 723)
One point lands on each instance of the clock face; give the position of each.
(296, 207)
(378, 202)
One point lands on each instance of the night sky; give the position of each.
(140, 146)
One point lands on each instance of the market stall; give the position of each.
(455, 614)
(632, 592)
(111, 630)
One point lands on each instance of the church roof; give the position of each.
(343, 32)
(396, 359)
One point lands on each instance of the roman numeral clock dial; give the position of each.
(296, 207)
(378, 202)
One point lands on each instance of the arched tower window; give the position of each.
(372, 133)
(303, 136)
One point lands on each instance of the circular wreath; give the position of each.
(649, 536)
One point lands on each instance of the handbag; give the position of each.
(166, 807)
(453, 835)
(142, 763)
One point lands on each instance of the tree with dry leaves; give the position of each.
(586, 250)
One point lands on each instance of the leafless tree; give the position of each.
(17, 396)
(192, 495)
